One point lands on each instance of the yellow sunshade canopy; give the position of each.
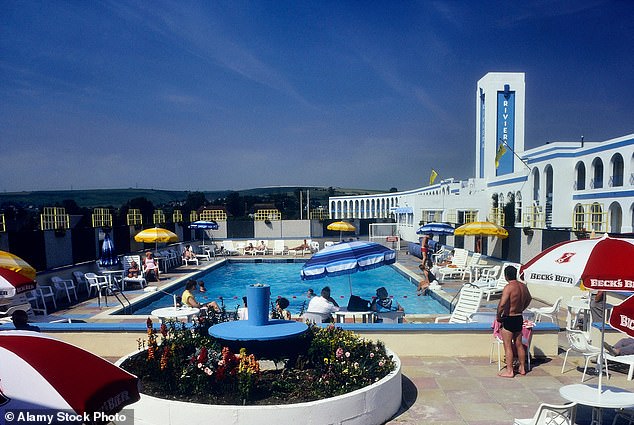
(481, 228)
(342, 226)
(156, 235)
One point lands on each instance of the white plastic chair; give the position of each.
(34, 297)
(551, 414)
(549, 311)
(98, 282)
(316, 318)
(64, 286)
(579, 343)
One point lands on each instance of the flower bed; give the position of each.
(188, 365)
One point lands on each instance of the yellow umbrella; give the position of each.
(16, 264)
(481, 228)
(342, 226)
(156, 235)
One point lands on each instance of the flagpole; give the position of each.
(518, 157)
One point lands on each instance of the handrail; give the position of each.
(115, 291)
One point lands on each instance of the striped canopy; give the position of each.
(435, 229)
(204, 224)
(347, 258)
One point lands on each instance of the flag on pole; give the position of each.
(432, 177)
(501, 151)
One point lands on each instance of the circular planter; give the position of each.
(374, 404)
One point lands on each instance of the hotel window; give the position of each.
(101, 217)
(193, 216)
(267, 215)
(177, 216)
(134, 217)
(158, 217)
(597, 173)
(213, 215)
(518, 207)
(54, 218)
(597, 218)
(578, 218)
(580, 183)
(616, 179)
(3, 226)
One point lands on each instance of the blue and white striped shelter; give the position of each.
(347, 258)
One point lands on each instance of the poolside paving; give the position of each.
(451, 390)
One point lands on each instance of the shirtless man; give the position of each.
(515, 299)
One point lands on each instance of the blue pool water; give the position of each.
(229, 282)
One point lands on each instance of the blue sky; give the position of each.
(238, 94)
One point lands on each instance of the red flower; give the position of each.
(202, 356)
(163, 330)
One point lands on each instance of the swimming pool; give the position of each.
(228, 283)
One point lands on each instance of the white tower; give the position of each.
(500, 100)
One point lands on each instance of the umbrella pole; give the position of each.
(600, 360)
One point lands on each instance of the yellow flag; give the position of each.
(501, 151)
(432, 177)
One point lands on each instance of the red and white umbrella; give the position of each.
(13, 283)
(40, 372)
(603, 264)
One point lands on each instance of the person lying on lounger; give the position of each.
(301, 247)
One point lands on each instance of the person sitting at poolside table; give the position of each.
(383, 303)
(189, 300)
(150, 268)
(133, 270)
(323, 305)
(281, 305)
(249, 247)
(624, 347)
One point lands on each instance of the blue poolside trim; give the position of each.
(379, 327)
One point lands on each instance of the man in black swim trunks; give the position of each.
(515, 299)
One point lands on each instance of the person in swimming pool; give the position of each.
(515, 299)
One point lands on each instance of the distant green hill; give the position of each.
(117, 197)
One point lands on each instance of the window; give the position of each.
(616, 179)
(134, 217)
(158, 217)
(597, 179)
(101, 217)
(54, 218)
(580, 181)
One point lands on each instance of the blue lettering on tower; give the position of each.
(506, 130)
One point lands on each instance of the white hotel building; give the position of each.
(556, 189)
